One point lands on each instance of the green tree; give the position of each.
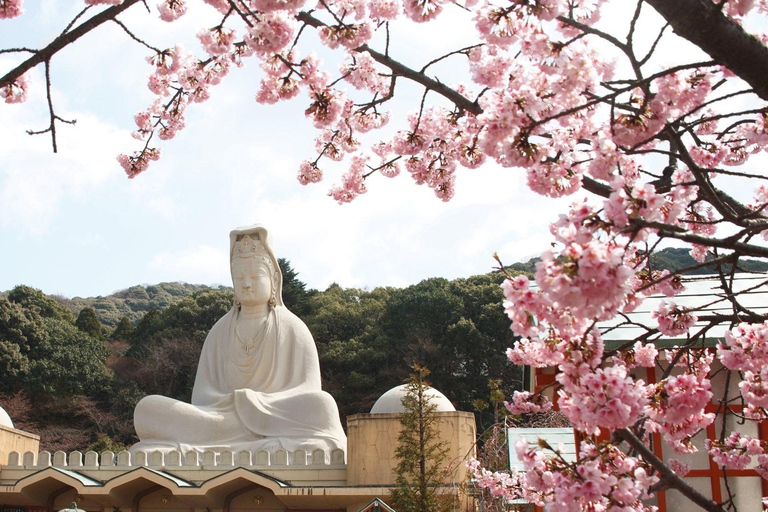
(88, 322)
(14, 366)
(35, 300)
(295, 294)
(150, 324)
(105, 443)
(123, 330)
(20, 325)
(457, 329)
(21, 330)
(421, 455)
(343, 321)
(68, 362)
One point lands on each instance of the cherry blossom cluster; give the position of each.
(500, 483)
(179, 79)
(11, 8)
(746, 350)
(736, 451)
(603, 478)
(673, 320)
(677, 406)
(525, 402)
(16, 91)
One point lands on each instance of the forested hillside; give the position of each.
(72, 370)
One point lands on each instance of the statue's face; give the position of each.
(252, 281)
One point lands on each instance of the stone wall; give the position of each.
(372, 441)
(12, 440)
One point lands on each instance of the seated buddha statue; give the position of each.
(258, 380)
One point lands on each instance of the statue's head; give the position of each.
(256, 274)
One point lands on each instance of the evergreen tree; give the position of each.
(420, 453)
(295, 294)
(88, 322)
(124, 329)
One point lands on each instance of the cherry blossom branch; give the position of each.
(133, 36)
(64, 40)
(666, 473)
(633, 23)
(731, 209)
(74, 20)
(652, 50)
(243, 15)
(462, 51)
(400, 69)
(743, 249)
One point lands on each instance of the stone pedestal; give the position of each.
(372, 440)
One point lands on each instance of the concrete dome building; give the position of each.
(373, 438)
(392, 401)
(5, 420)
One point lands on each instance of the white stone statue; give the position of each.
(258, 379)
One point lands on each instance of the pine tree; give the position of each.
(124, 329)
(420, 453)
(88, 322)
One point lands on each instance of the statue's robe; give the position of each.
(265, 397)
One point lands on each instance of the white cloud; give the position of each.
(34, 181)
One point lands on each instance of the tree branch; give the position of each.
(702, 23)
(667, 474)
(399, 69)
(51, 127)
(63, 40)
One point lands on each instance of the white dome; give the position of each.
(392, 401)
(5, 420)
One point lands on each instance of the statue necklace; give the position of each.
(248, 343)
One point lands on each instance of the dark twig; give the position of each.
(52, 127)
(74, 20)
(133, 36)
(17, 50)
(462, 51)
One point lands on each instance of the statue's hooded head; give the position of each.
(254, 244)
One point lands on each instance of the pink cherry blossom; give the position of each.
(309, 173)
(16, 91)
(673, 320)
(277, 5)
(138, 162)
(607, 398)
(11, 8)
(383, 10)
(353, 182)
(271, 33)
(348, 36)
(171, 10)
(217, 41)
(525, 402)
